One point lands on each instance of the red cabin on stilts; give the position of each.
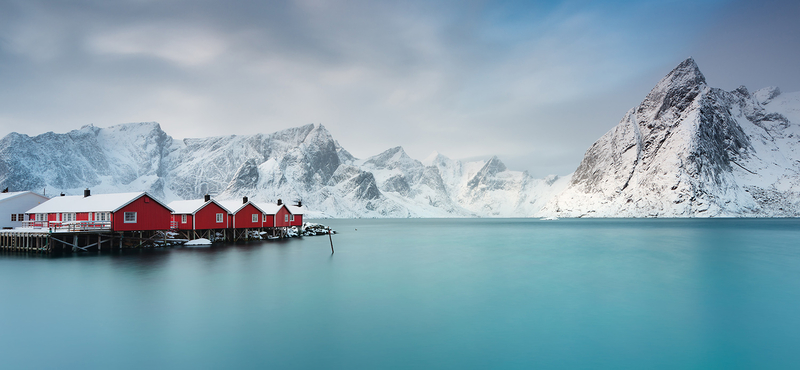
(116, 212)
(199, 214)
(244, 214)
(276, 215)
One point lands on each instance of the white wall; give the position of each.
(18, 204)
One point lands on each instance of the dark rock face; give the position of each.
(246, 177)
(485, 175)
(720, 139)
(365, 187)
(397, 184)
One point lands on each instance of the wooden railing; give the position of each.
(68, 225)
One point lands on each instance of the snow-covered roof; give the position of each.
(295, 210)
(270, 208)
(190, 206)
(5, 196)
(235, 205)
(92, 203)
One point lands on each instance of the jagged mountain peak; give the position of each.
(687, 72)
(674, 93)
(686, 75)
(392, 158)
(689, 150)
(432, 158)
(494, 165)
(766, 95)
(132, 127)
(437, 159)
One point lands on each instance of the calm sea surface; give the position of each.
(442, 294)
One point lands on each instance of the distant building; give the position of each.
(13, 207)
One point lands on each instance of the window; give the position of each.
(291, 218)
(21, 217)
(255, 218)
(285, 218)
(183, 219)
(219, 217)
(13, 217)
(66, 217)
(130, 217)
(41, 217)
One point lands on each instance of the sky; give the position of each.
(533, 82)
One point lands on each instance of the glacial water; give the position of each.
(438, 294)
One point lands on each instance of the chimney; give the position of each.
(244, 200)
(62, 194)
(280, 202)
(207, 197)
(299, 203)
(87, 193)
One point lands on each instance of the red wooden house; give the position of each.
(244, 214)
(276, 215)
(199, 214)
(117, 212)
(296, 216)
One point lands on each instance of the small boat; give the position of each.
(202, 242)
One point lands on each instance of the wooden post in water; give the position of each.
(331, 239)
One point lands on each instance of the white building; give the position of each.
(14, 205)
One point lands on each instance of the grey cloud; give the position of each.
(535, 85)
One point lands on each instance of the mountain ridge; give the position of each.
(687, 150)
(304, 162)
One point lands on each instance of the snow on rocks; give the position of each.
(690, 150)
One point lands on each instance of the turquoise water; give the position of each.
(443, 294)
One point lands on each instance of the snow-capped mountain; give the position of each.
(691, 150)
(299, 163)
(688, 150)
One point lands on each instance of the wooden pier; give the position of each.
(11, 240)
(85, 240)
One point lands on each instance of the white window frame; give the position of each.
(291, 218)
(286, 218)
(128, 220)
(255, 217)
(183, 219)
(219, 218)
